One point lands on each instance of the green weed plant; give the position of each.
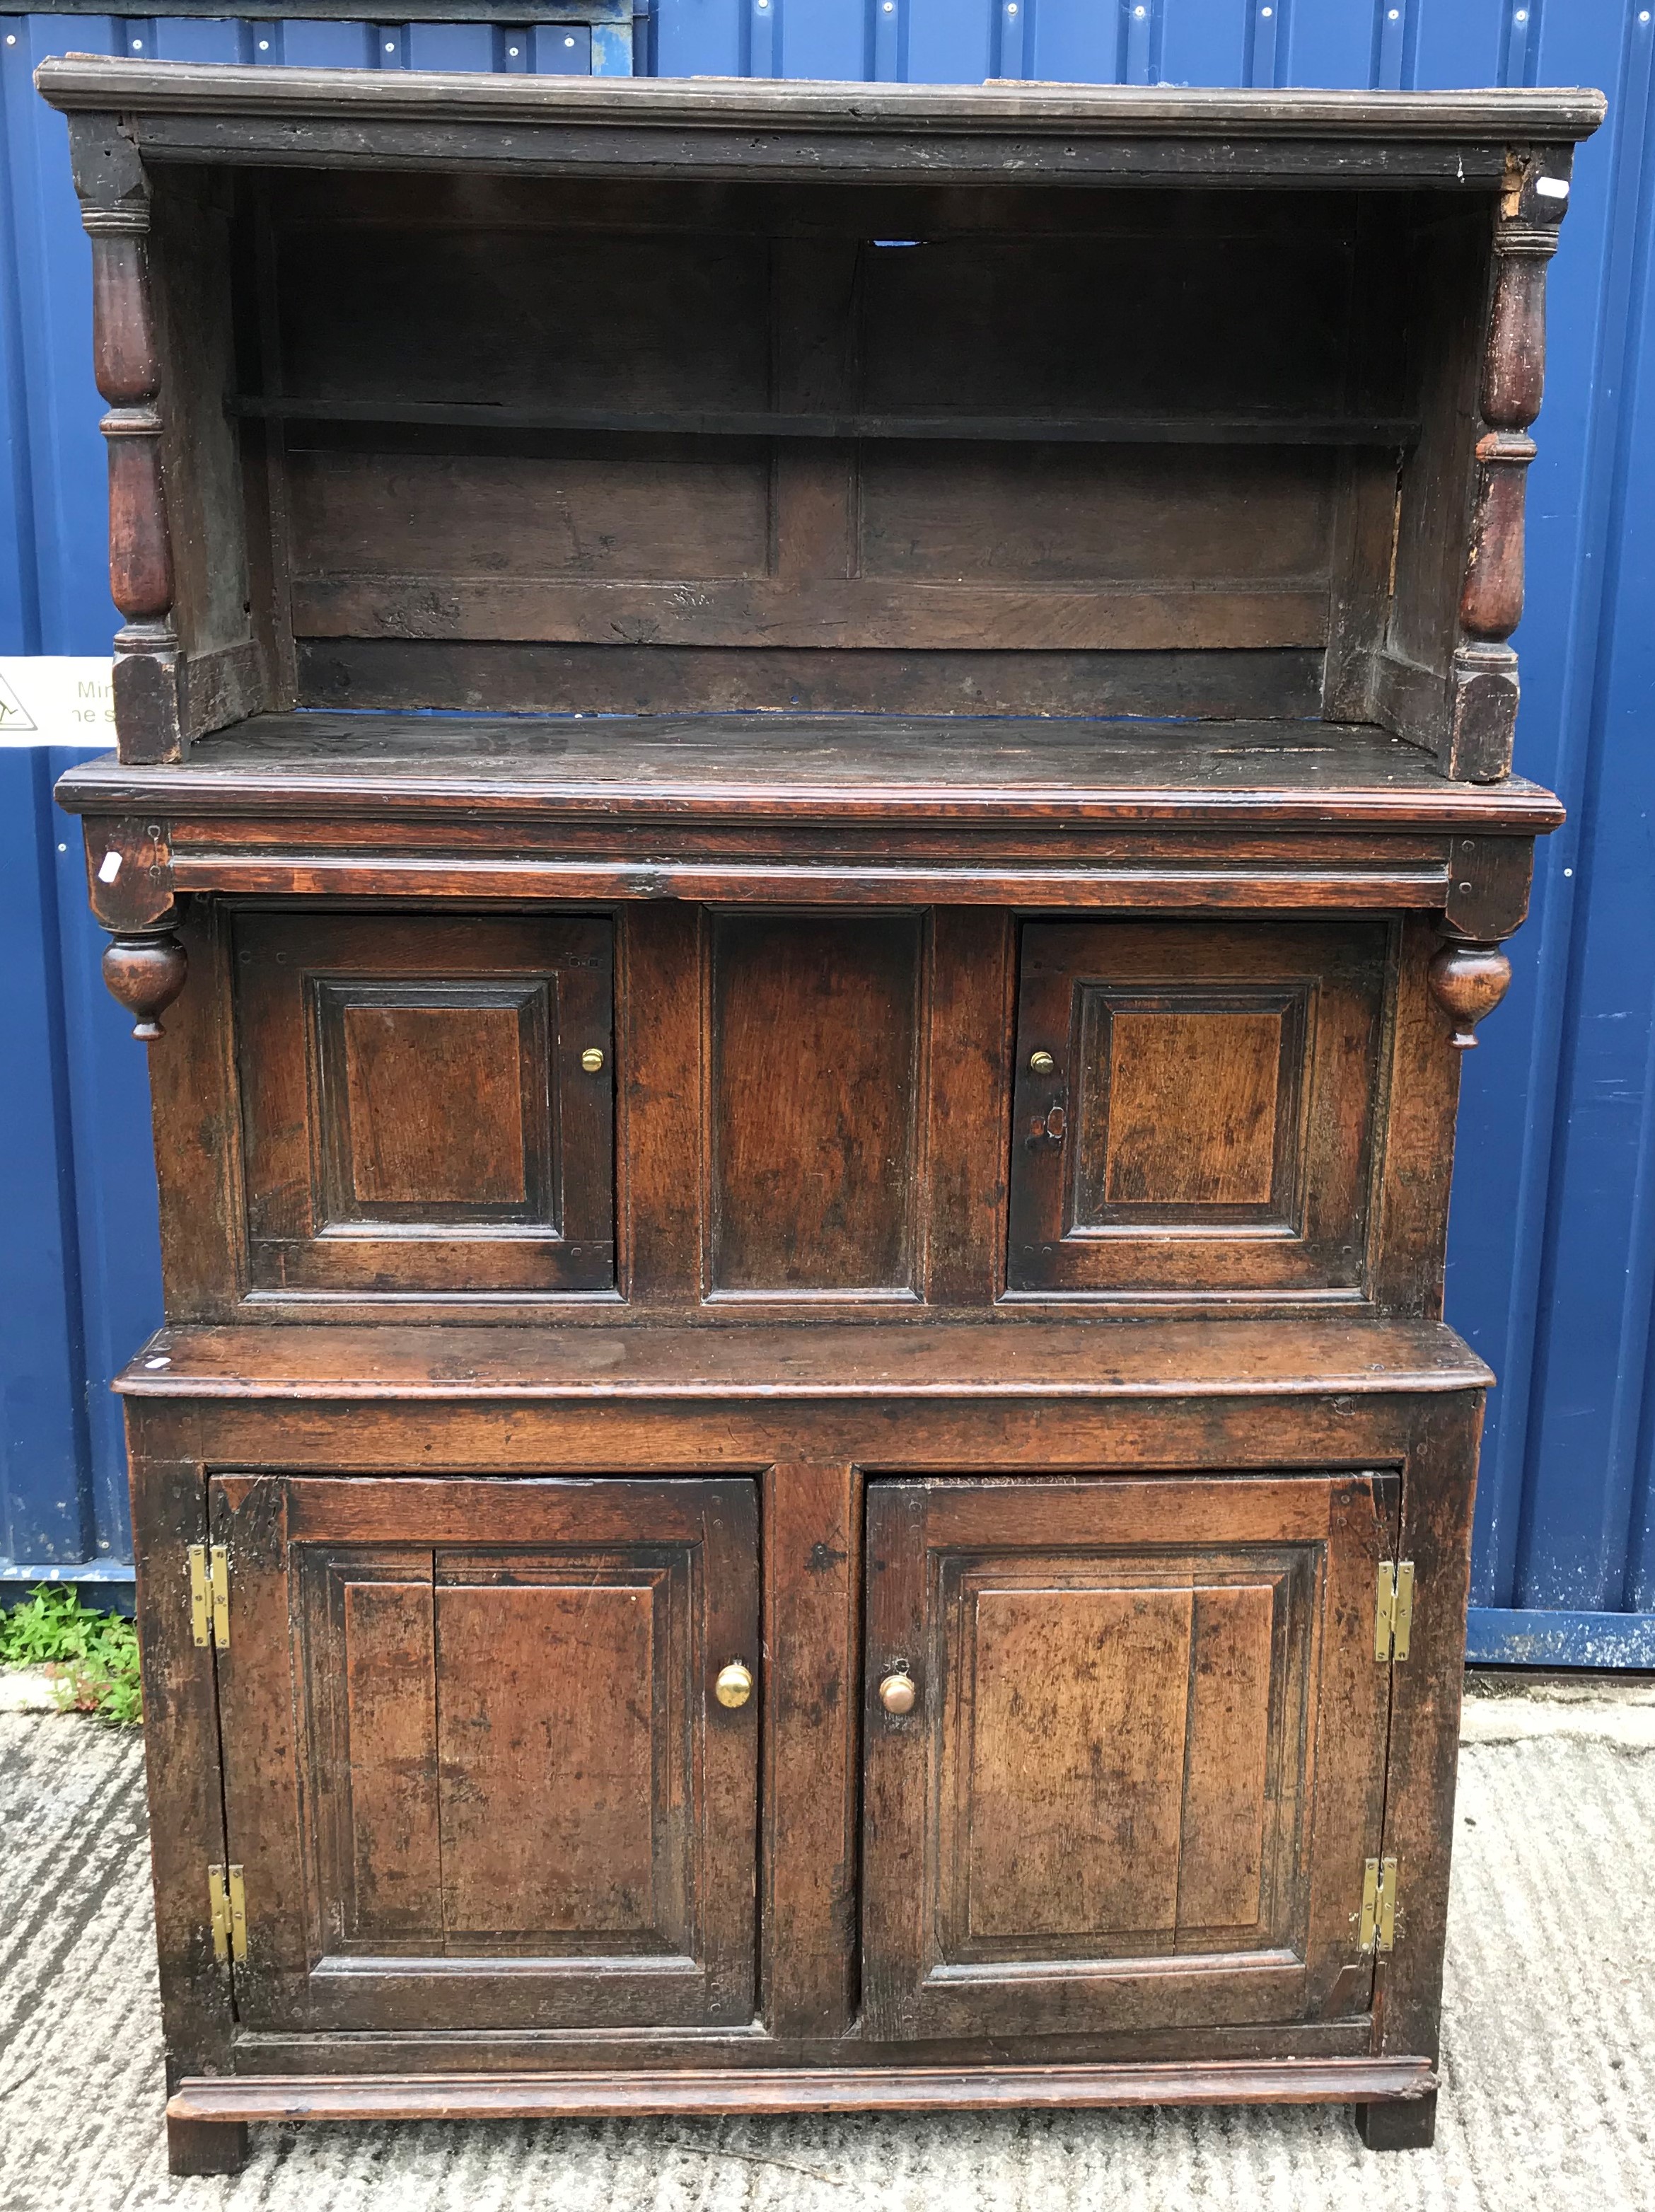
(93, 1657)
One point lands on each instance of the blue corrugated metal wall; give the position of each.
(1552, 1265)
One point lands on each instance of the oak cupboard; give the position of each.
(814, 788)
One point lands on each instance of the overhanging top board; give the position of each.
(1007, 134)
(817, 769)
(950, 1361)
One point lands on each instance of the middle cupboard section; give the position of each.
(754, 1114)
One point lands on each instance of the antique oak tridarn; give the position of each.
(813, 794)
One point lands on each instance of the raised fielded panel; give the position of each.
(1148, 1745)
(1197, 1108)
(416, 1116)
(475, 1772)
(815, 1053)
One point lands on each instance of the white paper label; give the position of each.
(56, 699)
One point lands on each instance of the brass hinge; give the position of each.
(1378, 1928)
(226, 1897)
(1393, 1614)
(209, 1593)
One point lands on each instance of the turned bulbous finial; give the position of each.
(1468, 981)
(145, 972)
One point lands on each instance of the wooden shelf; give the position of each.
(946, 1360)
(817, 769)
(1128, 429)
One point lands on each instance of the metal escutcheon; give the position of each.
(897, 1693)
(734, 1685)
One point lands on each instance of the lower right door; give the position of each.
(1125, 1750)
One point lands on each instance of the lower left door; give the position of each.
(475, 1773)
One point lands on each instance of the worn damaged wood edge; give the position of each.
(78, 82)
(792, 2090)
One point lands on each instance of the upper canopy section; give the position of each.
(1003, 133)
(564, 396)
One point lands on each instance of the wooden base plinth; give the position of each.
(204, 2103)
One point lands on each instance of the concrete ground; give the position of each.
(1548, 2063)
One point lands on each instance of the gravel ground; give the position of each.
(1548, 2063)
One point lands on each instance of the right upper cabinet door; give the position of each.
(1195, 1108)
(1125, 1752)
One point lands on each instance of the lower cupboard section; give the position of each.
(494, 1784)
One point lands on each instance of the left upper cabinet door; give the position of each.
(416, 1114)
(476, 1772)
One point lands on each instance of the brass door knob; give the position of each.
(1041, 1062)
(591, 1060)
(734, 1685)
(897, 1693)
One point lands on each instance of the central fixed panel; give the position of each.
(814, 1050)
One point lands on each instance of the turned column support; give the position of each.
(115, 213)
(1484, 679)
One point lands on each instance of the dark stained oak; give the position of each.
(1062, 131)
(205, 2146)
(810, 1878)
(145, 970)
(1468, 981)
(358, 1529)
(84, 80)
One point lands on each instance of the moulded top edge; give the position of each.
(1477, 117)
(368, 790)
